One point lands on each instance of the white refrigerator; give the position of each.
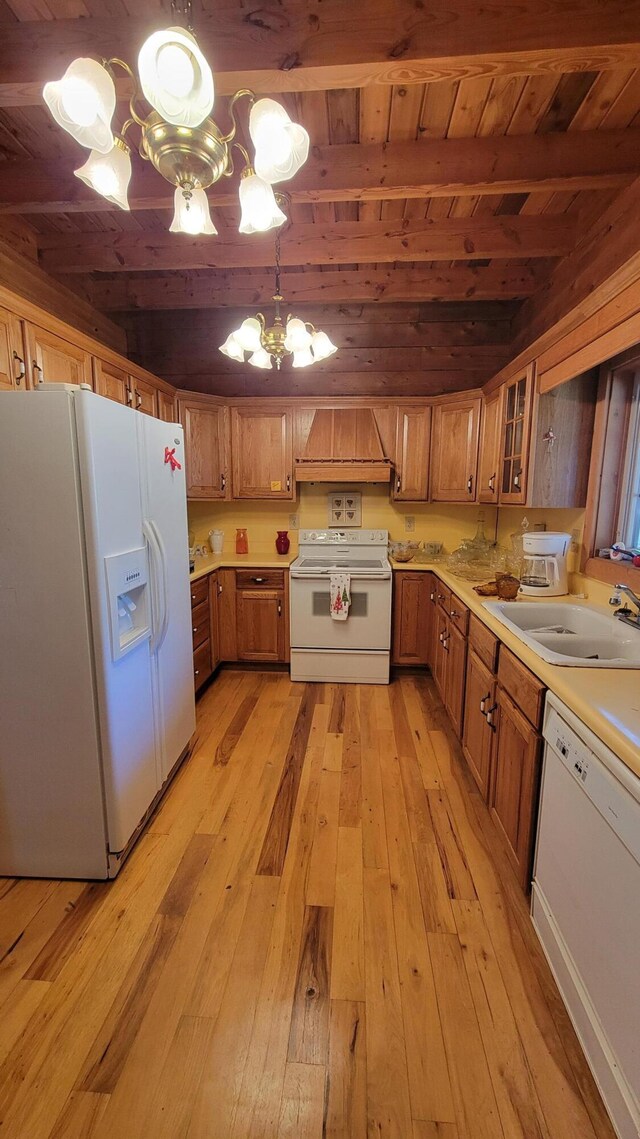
(96, 668)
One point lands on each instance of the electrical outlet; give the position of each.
(293, 522)
(409, 523)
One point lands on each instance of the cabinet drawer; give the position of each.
(458, 614)
(260, 579)
(202, 665)
(200, 623)
(199, 591)
(526, 691)
(483, 642)
(443, 595)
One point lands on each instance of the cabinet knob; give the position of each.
(219, 589)
(223, 482)
(288, 482)
(492, 483)
(21, 370)
(398, 484)
(279, 609)
(197, 672)
(453, 613)
(516, 479)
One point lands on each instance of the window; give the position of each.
(628, 527)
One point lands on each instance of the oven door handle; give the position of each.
(324, 576)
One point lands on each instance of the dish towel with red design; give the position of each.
(340, 593)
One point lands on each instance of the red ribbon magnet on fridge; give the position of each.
(170, 457)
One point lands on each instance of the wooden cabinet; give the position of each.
(50, 359)
(203, 663)
(515, 784)
(454, 451)
(260, 615)
(489, 451)
(412, 616)
(479, 721)
(411, 481)
(261, 443)
(111, 381)
(167, 409)
(518, 397)
(449, 660)
(143, 395)
(206, 448)
(214, 636)
(12, 364)
(560, 443)
(227, 630)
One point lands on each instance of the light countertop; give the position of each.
(607, 700)
(259, 558)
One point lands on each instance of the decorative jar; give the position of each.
(282, 542)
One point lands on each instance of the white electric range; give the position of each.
(356, 650)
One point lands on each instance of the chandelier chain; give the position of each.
(278, 262)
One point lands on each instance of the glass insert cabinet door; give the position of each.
(517, 414)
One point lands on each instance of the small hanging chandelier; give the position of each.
(268, 343)
(177, 135)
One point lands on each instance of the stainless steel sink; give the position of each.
(568, 634)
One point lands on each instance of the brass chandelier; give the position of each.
(177, 134)
(266, 344)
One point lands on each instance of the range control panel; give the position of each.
(344, 537)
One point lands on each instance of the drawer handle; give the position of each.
(489, 717)
(441, 597)
(470, 484)
(432, 596)
(193, 596)
(279, 609)
(259, 580)
(22, 368)
(197, 672)
(219, 589)
(453, 613)
(483, 702)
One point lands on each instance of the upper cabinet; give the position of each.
(111, 381)
(489, 455)
(454, 450)
(143, 395)
(206, 447)
(167, 409)
(12, 365)
(518, 400)
(52, 360)
(411, 479)
(261, 444)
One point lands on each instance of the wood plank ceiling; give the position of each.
(457, 154)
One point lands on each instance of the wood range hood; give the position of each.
(343, 445)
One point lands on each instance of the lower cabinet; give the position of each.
(515, 784)
(252, 615)
(450, 654)
(479, 721)
(412, 617)
(203, 663)
(455, 676)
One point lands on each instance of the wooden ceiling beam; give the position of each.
(356, 172)
(305, 45)
(228, 289)
(447, 239)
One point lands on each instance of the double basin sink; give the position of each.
(569, 634)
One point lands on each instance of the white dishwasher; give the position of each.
(585, 902)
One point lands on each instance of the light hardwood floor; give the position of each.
(316, 936)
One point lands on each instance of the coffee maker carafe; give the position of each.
(544, 564)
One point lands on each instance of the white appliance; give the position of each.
(356, 650)
(96, 667)
(586, 902)
(544, 564)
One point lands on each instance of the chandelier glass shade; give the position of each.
(178, 136)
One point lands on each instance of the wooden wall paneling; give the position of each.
(345, 49)
(13, 370)
(448, 239)
(185, 290)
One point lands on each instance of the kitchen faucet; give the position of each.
(625, 614)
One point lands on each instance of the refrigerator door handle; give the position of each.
(158, 574)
